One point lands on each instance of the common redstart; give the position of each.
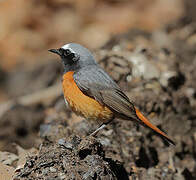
(91, 92)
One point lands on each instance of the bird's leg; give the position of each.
(100, 127)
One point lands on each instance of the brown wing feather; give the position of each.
(118, 102)
(97, 84)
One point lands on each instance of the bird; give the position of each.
(93, 94)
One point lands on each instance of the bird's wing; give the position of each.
(94, 82)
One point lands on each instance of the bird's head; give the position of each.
(74, 56)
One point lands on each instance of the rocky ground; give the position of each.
(42, 139)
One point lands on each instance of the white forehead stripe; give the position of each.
(66, 46)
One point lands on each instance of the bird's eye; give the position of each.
(67, 52)
(71, 57)
(64, 52)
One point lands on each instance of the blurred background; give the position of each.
(29, 28)
(159, 34)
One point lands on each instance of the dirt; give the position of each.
(20, 125)
(157, 72)
(72, 158)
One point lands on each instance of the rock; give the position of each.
(8, 158)
(6, 172)
(142, 67)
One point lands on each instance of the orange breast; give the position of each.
(82, 104)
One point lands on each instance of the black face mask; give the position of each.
(66, 54)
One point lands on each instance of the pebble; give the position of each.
(142, 67)
(67, 145)
(52, 169)
(105, 141)
(44, 129)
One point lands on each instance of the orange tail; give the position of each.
(151, 126)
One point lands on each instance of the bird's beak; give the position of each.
(56, 51)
